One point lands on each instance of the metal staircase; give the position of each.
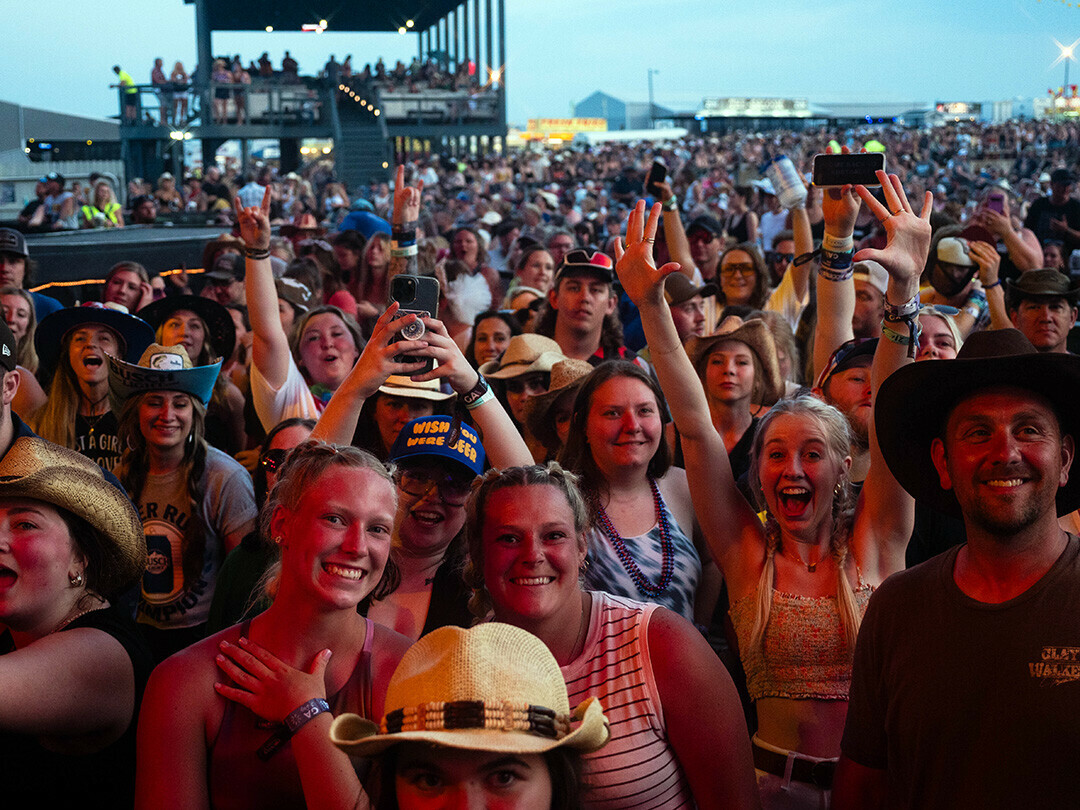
(361, 141)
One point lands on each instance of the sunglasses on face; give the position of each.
(272, 460)
(453, 490)
(741, 269)
(781, 257)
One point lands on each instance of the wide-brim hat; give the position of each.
(307, 224)
(401, 386)
(221, 329)
(1043, 283)
(35, 468)
(425, 438)
(525, 354)
(915, 401)
(161, 368)
(135, 333)
(755, 335)
(567, 376)
(494, 687)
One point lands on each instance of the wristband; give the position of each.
(299, 716)
(255, 254)
(403, 252)
(802, 259)
(478, 394)
(829, 274)
(898, 337)
(837, 244)
(901, 312)
(991, 286)
(905, 313)
(671, 204)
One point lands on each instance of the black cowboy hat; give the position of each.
(219, 323)
(915, 401)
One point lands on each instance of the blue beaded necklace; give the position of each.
(667, 548)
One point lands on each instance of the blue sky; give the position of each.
(560, 51)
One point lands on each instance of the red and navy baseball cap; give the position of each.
(579, 262)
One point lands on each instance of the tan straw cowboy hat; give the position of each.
(494, 687)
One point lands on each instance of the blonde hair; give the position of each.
(838, 442)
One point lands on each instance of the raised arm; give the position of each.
(835, 288)
(269, 345)
(804, 243)
(885, 514)
(403, 224)
(674, 233)
(727, 520)
(989, 262)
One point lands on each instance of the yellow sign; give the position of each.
(562, 125)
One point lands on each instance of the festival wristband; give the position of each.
(255, 254)
(829, 274)
(478, 394)
(299, 716)
(403, 252)
(802, 259)
(837, 244)
(899, 337)
(671, 204)
(901, 312)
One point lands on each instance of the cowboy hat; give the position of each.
(525, 354)
(755, 335)
(915, 401)
(567, 377)
(494, 687)
(134, 333)
(221, 329)
(37, 469)
(402, 386)
(161, 368)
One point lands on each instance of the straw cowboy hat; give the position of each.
(915, 401)
(37, 469)
(399, 386)
(567, 376)
(494, 687)
(525, 354)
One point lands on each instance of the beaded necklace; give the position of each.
(667, 548)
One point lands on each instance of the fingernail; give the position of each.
(224, 645)
(220, 658)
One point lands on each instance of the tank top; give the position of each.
(605, 571)
(638, 767)
(240, 779)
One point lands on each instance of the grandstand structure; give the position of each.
(370, 123)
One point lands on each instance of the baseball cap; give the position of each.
(427, 437)
(845, 356)
(954, 250)
(873, 274)
(1062, 176)
(11, 241)
(705, 223)
(228, 267)
(296, 293)
(582, 263)
(678, 289)
(7, 347)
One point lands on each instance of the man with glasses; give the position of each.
(559, 243)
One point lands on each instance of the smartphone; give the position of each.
(856, 169)
(996, 202)
(420, 296)
(657, 174)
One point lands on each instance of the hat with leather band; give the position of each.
(494, 687)
(914, 403)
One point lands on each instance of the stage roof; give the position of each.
(340, 15)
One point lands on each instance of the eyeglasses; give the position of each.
(786, 258)
(273, 459)
(418, 482)
(741, 269)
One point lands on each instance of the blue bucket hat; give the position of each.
(425, 439)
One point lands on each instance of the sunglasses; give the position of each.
(273, 459)
(453, 490)
(741, 269)
(532, 383)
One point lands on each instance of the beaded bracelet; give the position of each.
(829, 274)
(255, 254)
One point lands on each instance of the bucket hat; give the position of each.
(915, 401)
(494, 687)
(1043, 283)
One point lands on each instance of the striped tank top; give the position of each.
(638, 767)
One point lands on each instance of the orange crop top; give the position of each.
(804, 653)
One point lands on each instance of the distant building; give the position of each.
(620, 114)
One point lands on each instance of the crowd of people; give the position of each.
(751, 505)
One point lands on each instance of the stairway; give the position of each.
(361, 144)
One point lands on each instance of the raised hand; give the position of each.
(376, 362)
(266, 684)
(254, 222)
(641, 279)
(452, 365)
(908, 234)
(406, 199)
(988, 259)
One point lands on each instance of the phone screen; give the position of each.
(840, 170)
(996, 202)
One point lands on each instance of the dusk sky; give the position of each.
(560, 51)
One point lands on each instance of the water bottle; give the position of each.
(786, 181)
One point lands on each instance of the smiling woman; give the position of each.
(286, 672)
(195, 502)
